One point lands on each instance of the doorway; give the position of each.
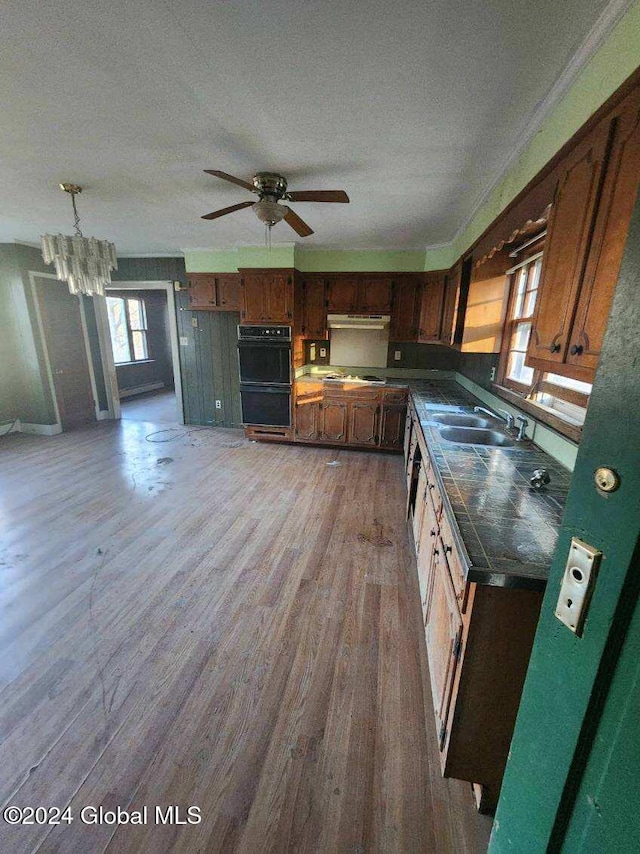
(139, 342)
(64, 339)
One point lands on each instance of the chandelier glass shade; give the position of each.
(84, 263)
(269, 212)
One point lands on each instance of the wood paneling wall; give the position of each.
(209, 363)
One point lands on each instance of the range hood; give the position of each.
(358, 321)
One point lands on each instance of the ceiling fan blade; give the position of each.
(318, 196)
(224, 211)
(297, 224)
(226, 177)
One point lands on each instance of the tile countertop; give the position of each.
(508, 529)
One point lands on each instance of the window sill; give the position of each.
(541, 414)
(135, 362)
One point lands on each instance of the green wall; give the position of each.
(568, 697)
(303, 259)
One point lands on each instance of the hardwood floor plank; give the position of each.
(190, 618)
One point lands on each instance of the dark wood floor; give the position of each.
(212, 622)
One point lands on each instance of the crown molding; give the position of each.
(596, 37)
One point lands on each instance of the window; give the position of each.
(563, 398)
(518, 329)
(128, 326)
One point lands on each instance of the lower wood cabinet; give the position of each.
(478, 637)
(363, 422)
(334, 421)
(363, 417)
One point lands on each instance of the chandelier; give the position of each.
(84, 263)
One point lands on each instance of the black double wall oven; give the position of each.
(264, 356)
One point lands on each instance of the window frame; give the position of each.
(518, 393)
(143, 329)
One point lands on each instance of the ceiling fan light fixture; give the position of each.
(269, 212)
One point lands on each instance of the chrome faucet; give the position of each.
(508, 417)
(522, 421)
(486, 411)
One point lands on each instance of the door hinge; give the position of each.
(442, 734)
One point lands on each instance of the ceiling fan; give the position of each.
(272, 188)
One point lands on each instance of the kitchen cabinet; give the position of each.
(361, 416)
(566, 248)
(431, 306)
(314, 310)
(359, 294)
(267, 296)
(392, 422)
(450, 304)
(613, 217)
(443, 634)
(363, 422)
(478, 637)
(214, 292)
(374, 295)
(334, 420)
(406, 308)
(342, 295)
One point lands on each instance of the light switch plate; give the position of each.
(577, 585)
(397, 355)
(184, 340)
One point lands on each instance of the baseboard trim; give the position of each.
(40, 429)
(140, 389)
(103, 415)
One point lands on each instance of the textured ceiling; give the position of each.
(412, 107)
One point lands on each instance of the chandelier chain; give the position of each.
(76, 215)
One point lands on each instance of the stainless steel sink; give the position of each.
(475, 436)
(462, 420)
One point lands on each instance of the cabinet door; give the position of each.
(279, 297)
(392, 426)
(443, 632)
(425, 555)
(307, 415)
(342, 295)
(334, 421)
(449, 309)
(314, 310)
(253, 299)
(619, 191)
(363, 423)
(374, 296)
(405, 311)
(228, 292)
(566, 245)
(431, 306)
(202, 294)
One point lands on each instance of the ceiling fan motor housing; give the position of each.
(270, 184)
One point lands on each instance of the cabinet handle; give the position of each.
(436, 552)
(576, 350)
(448, 549)
(432, 486)
(555, 348)
(432, 532)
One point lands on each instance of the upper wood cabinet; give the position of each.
(374, 295)
(615, 207)
(359, 294)
(267, 296)
(566, 248)
(342, 295)
(405, 309)
(450, 304)
(314, 310)
(431, 305)
(228, 292)
(214, 291)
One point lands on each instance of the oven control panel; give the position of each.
(261, 333)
